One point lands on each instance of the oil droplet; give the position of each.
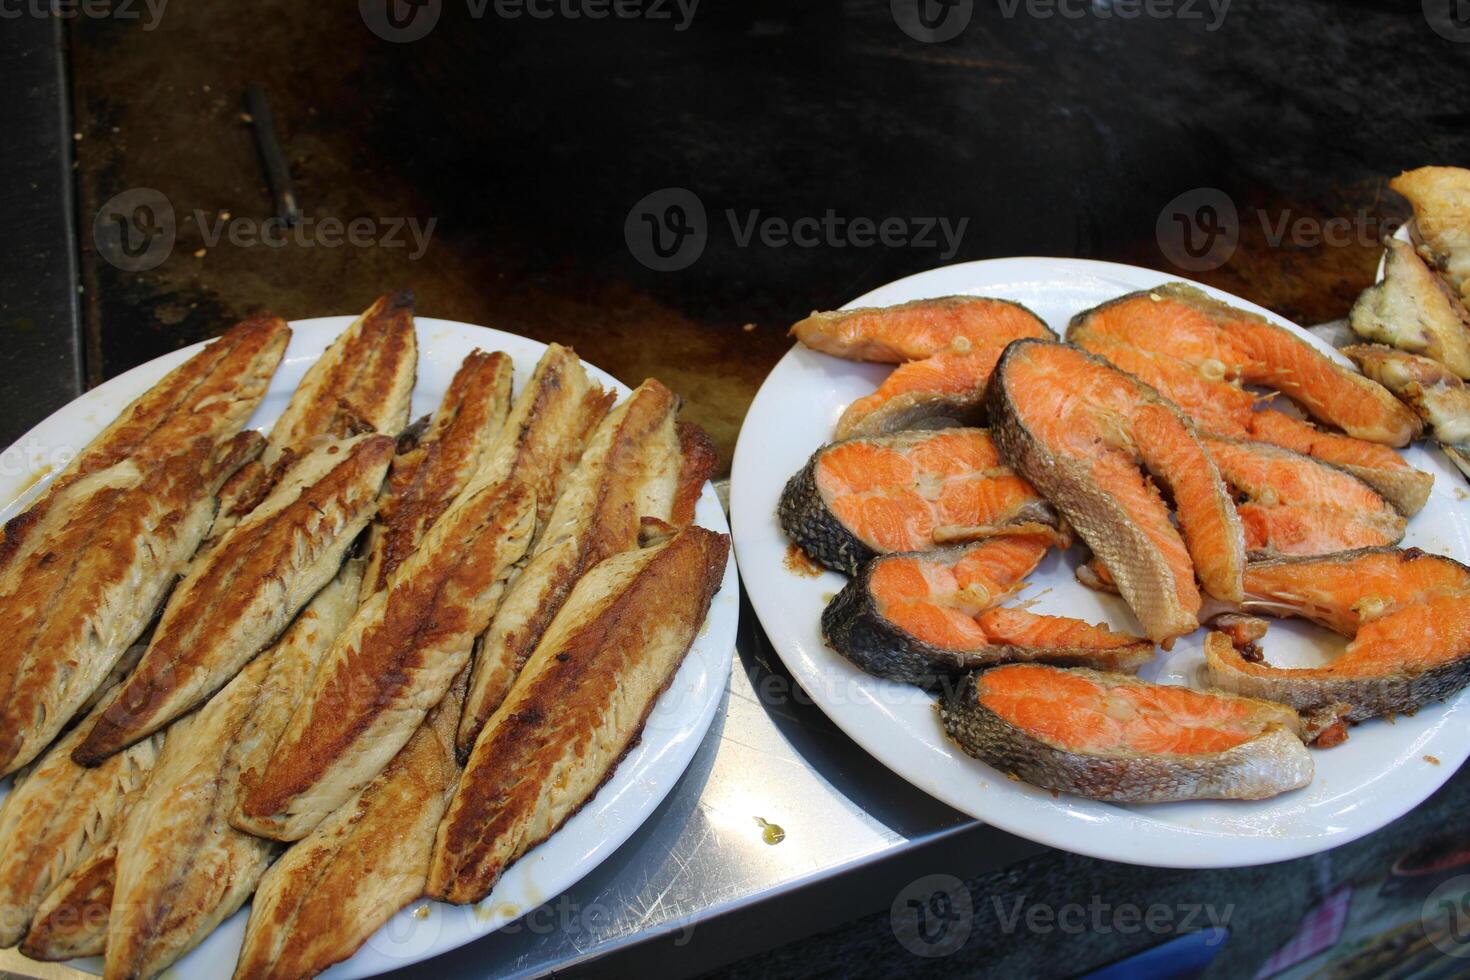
(422, 912)
(770, 833)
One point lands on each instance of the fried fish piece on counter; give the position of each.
(238, 599)
(362, 383)
(639, 464)
(919, 329)
(425, 479)
(1114, 737)
(1080, 430)
(113, 544)
(55, 816)
(910, 491)
(1441, 200)
(1429, 388)
(1414, 310)
(210, 397)
(393, 662)
(1406, 613)
(577, 707)
(927, 616)
(333, 889)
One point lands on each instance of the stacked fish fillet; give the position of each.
(1202, 500)
(341, 667)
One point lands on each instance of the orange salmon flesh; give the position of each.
(919, 329)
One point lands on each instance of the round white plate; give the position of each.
(1382, 771)
(674, 730)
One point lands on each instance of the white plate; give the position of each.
(1379, 774)
(675, 728)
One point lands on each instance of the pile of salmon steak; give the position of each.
(1204, 464)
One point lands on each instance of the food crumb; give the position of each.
(749, 328)
(1433, 761)
(199, 254)
(770, 833)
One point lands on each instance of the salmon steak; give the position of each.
(1200, 354)
(1083, 433)
(919, 329)
(921, 618)
(1115, 738)
(1440, 398)
(1406, 614)
(911, 491)
(1290, 504)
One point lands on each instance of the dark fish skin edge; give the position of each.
(852, 625)
(808, 522)
(1125, 779)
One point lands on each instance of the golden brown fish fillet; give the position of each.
(210, 396)
(1429, 388)
(57, 813)
(80, 601)
(425, 480)
(362, 383)
(237, 600)
(579, 704)
(71, 921)
(633, 468)
(321, 901)
(1415, 310)
(1441, 200)
(393, 663)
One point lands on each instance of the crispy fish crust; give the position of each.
(1441, 200)
(1429, 388)
(333, 889)
(632, 469)
(393, 663)
(1271, 762)
(1414, 310)
(72, 920)
(118, 538)
(362, 383)
(578, 706)
(56, 815)
(424, 481)
(237, 600)
(210, 397)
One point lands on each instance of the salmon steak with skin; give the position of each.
(1200, 353)
(922, 618)
(1429, 388)
(1290, 504)
(1406, 614)
(1113, 737)
(910, 491)
(1083, 433)
(918, 329)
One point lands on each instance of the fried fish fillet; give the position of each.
(362, 383)
(333, 889)
(210, 396)
(578, 706)
(118, 539)
(425, 480)
(635, 467)
(1414, 310)
(55, 816)
(1441, 200)
(237, 600)
(393, 663)
(1429, 388)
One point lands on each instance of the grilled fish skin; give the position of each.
(362, 383)
(1405, 612)
(393, 663)
(210, 397)
(1089, 733)
(424, 481)
(1429, 388)
(922, 618)
(1079, 429)
(1441, 200)
(1414, 310)
(240, 598)
(930, 488)
(578, 706)
(117, 540)
(918, 329)
(633, 468)
(71, 920)
(56, 814)
(321, 901)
